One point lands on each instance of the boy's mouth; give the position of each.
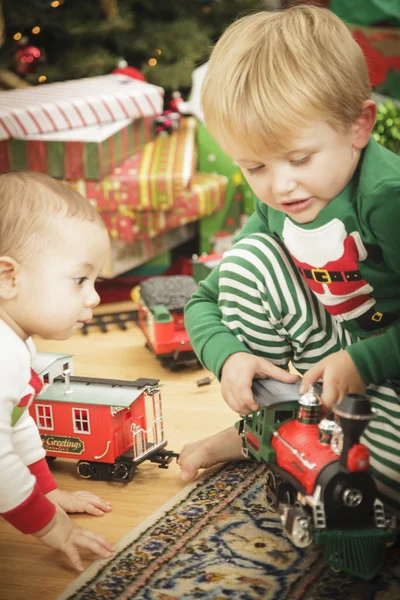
(294, 206)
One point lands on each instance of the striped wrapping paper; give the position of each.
(88, 152)
(206, 196)
(77, 103)
(152, 179)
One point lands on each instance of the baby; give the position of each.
(53, 244)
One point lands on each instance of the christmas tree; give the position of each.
(46, 41)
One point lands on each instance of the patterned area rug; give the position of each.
(217, 541)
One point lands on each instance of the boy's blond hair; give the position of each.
(31, 205)
(271, 71)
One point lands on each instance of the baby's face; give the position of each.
(56, 292)
(302, 181)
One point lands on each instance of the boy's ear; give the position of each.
(362, 127)
(9, 270)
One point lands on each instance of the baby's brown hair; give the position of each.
(29, 205)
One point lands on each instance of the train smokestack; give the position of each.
(354, 412)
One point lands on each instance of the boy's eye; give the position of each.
(80, 280)
(253, 170)
(301, 161)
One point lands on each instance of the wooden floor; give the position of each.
(31, 571)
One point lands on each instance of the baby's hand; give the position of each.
(61, 533)
(79, 502)
(237, 376)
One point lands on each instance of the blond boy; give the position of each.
(52, 247)
(315, 278)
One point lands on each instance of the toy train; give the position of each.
(318, 475)
(109, 426)
(161, 303)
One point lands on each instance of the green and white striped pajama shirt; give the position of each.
(266, 304)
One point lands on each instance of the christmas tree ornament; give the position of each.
(167, 122)
(27, 57)
(176, 101)
(124, 69)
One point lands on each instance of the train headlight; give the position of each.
(352, 497)
(337, 440)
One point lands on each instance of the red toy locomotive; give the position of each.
(109, 426)
(161, 303)
(318, 474)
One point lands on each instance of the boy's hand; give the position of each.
(79, 502)
(61, 533)
(237, 376)
(339, 377)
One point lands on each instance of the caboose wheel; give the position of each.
(270, 490)
(168, 363)
(123, 471)
(84, 469)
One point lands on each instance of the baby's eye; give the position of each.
(301, 161)
(80, 280)
(253, 170)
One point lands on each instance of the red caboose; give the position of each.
(110, 426)
(161, 304)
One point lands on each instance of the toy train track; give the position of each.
(104, 320)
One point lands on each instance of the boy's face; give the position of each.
(56, 292)
(301, 182)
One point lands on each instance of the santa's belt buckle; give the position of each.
(321, 276)
(377, 317)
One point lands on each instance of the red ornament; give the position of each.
(167, 122)
(130, 71)
(27, 59)
(175, 101)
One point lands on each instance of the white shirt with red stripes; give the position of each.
(24, 475)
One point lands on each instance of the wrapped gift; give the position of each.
(206, 196)
(123, 256)
(226, 221)
(152, 179)
(88, 152)
(77, 103)
(381, 48)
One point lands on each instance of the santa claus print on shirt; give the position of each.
(328, 258)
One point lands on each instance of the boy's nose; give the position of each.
(283, 183)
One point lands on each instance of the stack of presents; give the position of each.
(98, 134)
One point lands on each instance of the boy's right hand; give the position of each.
(61, 533)
(237, 376)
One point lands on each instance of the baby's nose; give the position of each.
(92, 300)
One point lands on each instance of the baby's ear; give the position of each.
(9, 269)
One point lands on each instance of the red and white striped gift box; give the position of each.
(77, 103)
